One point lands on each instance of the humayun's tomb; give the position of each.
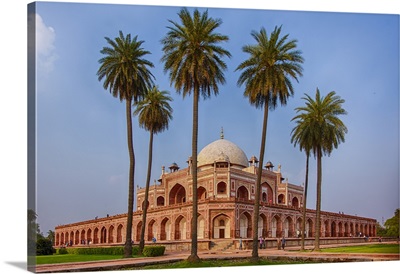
(226, 190)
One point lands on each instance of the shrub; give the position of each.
(44, 247)
(135, 250)
(115, 250)
(62, 251)
(153, 251)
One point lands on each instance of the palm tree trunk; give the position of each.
(256, 214)
(146, 193)
(318, 207)
(193, 256)
(303, 221)
(128, 242)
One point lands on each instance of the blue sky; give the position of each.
(356, 55)
(82, 159)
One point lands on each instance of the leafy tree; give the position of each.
(37, 243)
(392, 225)
(50, 235)
(44, 246)
(272, 62)
(154, 114)
(126, 74)
(325, 131)
(193, 58)
(380, 230)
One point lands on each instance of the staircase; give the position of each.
(221, 245)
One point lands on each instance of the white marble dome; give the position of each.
(222, 150)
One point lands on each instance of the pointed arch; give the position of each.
(103, 235)
(221, 188)
(177, 195)
(138, 230)
(295, 202)
(327, 228)
(89, 236)
(221, 227)
(83, 238)
(288, 227)
(200, 226)
(245, 225)
(352, 232)
(151, 230)
(180, 228)
(266, 193)
(160, 201)
(242, 193)
(298, 227)
(77, 234)
(262, 225)
(166, 229)
(96, 236)
(276, 226)
(340, 230)
(110, 234)
(281, 199)
(201, 193)
(333, 229)
(119, 233)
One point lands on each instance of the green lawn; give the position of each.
(218, 263)
(371, 248)
(70, 258)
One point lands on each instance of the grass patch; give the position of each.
(217, 263)
(371, 248)
(72, 258)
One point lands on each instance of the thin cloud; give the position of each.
(115, 179)
(45, 46)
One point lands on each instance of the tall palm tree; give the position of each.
(126, 74)
(301, 136)
(51, 236)
(32, 226)
(325, 132)
(32, 231)
(194, 61)
(273, 61)
(154, 114)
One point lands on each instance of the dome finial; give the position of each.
(222, 133)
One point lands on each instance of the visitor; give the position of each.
(261, 240)
(283, 242)
(154, 240)
(240, 243)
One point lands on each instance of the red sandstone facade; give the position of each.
(226, 193)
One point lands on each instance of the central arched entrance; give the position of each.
(221, 226)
